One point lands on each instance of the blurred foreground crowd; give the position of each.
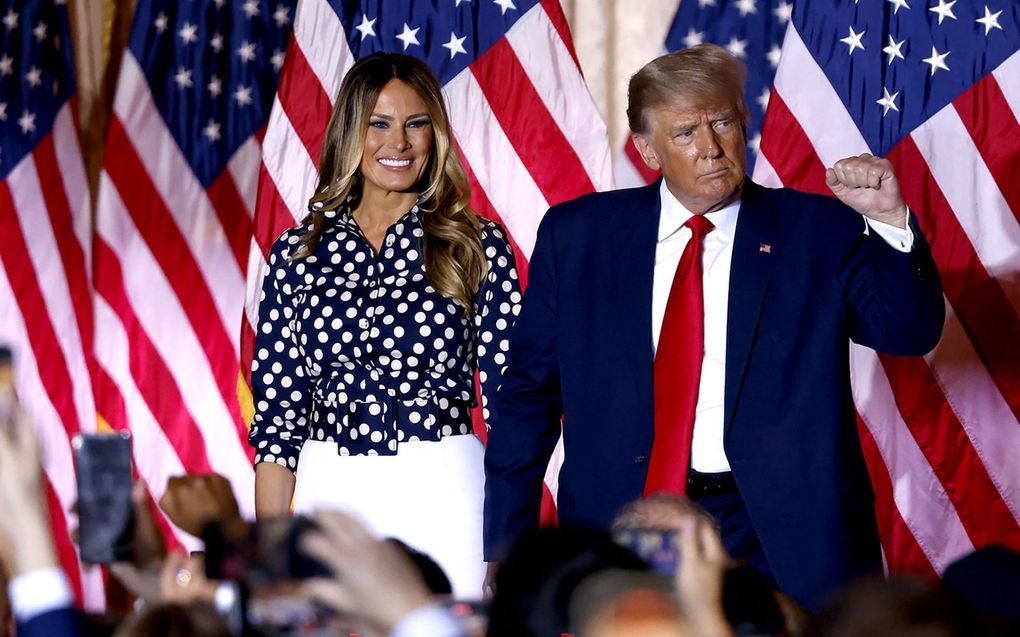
(329, 576)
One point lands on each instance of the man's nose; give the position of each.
(707, 143)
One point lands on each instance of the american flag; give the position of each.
(934, 85)
(525, 125)
(173, 227)
(45, 241)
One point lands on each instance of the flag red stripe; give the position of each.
(273, 214)
(50, 360)
(247, 348)
(71, 253)
(305, 101)
(803, 169)
(950, 453)
(155, 382)
(559, 22)
(634, 156)
(979, 302)
(62, 542)
(170, 250)
(531, 129)
(230, 209)
(994, 128)
(109, 401)
(902, 551)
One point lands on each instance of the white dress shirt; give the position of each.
(707, 453)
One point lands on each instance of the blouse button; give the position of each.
(363, 323)
(389, 240)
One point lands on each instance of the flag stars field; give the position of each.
(853, 41)
(367, 27)
(409, 36)
(990, 20)
(937, 61)
(944, 10)
(894, 49)
(888, 101)
(455, 45)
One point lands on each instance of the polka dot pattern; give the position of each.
(359, 349)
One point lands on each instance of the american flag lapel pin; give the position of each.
(764, 247)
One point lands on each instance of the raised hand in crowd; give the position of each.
(699, 580)
(24, 519)
(193, 501)
(374, 581)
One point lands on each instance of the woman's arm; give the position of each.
(281, 386)
(274, 489)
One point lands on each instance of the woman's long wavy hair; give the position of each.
(454, 258)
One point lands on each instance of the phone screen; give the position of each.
(105, 508)
(660, 548)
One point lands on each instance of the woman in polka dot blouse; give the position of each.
(374, 316)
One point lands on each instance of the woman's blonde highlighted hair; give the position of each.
(454, 258)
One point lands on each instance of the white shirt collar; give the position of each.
(674, 214)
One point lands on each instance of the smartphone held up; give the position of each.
(106, 520)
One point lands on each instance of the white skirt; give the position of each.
(429, 496)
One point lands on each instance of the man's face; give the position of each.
(699, 145)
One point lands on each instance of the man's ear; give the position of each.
(644, 148)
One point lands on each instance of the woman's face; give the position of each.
(398, 141)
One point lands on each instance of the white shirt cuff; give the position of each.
(901, 239)
(38, 592)
(429, 621)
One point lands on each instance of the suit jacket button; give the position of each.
(639, 460)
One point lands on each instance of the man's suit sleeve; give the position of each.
(525, 414)
(895, 298)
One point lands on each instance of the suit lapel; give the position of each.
(632, 289)
(754, 252)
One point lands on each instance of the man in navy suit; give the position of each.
(784, 280)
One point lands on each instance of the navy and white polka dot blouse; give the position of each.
(359, 349)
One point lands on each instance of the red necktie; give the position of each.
(677, 370)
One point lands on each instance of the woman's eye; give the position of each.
(379, 124)
(419, 123)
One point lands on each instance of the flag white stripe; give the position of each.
(184, 197)
(765, 174)
(76, 187)
(46, 261)
(154, 455)
(972, 193)
(1008, 78)
(167, 326)
(244, 170)
(497, 167)
(55, 446)
(807, 92)
(559, 84)
(920, 498)
(288, 163)
(257, 268)
(319, 33)
(979, 406)
(624, 172)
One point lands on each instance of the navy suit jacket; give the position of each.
(805, 279)
(59, 622)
